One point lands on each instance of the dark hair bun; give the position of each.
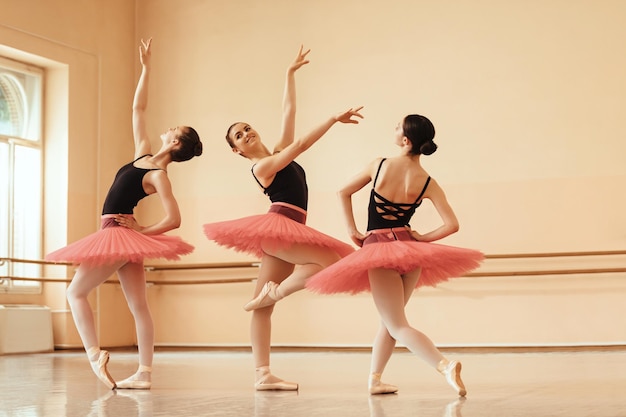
(198, 149)
(428, 148)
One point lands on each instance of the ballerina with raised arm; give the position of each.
(121, 244)
(279, 238)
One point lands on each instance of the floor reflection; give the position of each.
(389, 406)
(573, 384)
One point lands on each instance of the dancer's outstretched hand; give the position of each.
(347, 116)
(300, 59)
(145, 53)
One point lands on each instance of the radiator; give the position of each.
(25, 329)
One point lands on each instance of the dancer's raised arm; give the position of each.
(269, 166)
(289, 101)
(140, 101)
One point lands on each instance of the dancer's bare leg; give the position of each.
(133, 281)
(388, 292)
(310, 260)
(86, 279)
(384, 344)
(278, 278)
(276, 270)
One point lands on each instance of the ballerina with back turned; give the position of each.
(394, 259)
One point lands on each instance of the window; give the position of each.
(21, 193)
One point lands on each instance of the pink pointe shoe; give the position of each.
(376, 387)
(268, 382)
(452, 372)
(99, 367)
(133, 382)
(267, 297)
(276, 386)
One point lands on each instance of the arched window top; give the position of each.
(20, 100)
(13, 106)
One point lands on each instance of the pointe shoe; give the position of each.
(133, 382)
(130, 383)
(99, 367)
(263, 384)
(267, 297)
(452, 371)
(376, 387)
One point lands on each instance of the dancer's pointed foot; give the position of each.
(267, 297)
(452, 371)
(268, 382)
(142, 379)
(376, 386)
(99, 366)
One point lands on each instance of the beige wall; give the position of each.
(527, 98)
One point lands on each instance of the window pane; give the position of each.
(6, 127)
(4, 207)
(21, 191)
(12, 105)
(20, 104)
(4, 200)
(27, 210)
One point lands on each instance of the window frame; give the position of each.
(33, 140)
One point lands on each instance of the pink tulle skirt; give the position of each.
(394, 249)
(113, 243)
(282, 226)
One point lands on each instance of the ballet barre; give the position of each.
(150, 282)
(256, 265)
(223, 265)
(544, 255)
(201, 266)
(147, 268)
(32, 261)
(555, 254)
(573, 271)
(4, 278)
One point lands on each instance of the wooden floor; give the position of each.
(571, 383)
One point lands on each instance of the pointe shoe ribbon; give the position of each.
(99, 367)
(452, 371)
(267, 297)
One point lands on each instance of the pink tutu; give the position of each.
(114, 243)
(394, 249)
(282, 226)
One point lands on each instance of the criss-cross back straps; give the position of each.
(395, 211)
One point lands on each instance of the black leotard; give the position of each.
(289, 186)
(127, 189)
(383, 213)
